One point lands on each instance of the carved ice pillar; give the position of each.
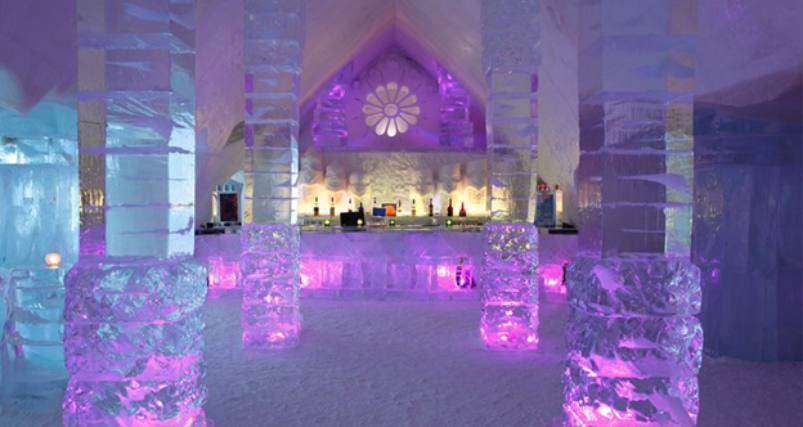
(634, 343)
(272, 57)
(133, 338)
(329, 127)
(511, 59)
(455, 101)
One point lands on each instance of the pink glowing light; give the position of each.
(223, 275)
(552, 278)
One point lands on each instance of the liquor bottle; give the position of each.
(361, 210)
(399, 210)
(216, 204)
(413, 212)
(558, 207)
(350, 210)
(374, 205)
(316, 210)
(332, 207)
(431, 208)
(450, 209)
(462, 209)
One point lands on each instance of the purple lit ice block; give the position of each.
(133, 344)
(635, 347)
(510, 287)
(270, 315)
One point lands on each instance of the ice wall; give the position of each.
(272, 59)
(747, 235)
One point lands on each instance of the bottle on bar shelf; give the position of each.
(398, 211)
(316, 210)
(361, 210)
(431, 208)
(462, 209)
(332, 208)
(450, 209)
(558, 207)
(350, 210)
(413, 211)
(374, 205)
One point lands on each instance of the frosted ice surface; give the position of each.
(510, 287)
(133, 344)
(32, 353)
(270, 274)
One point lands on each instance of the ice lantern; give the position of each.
(272, 59)
(133, 329)
(511, 56)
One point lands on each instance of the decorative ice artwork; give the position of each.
(391, 109)
(511, 56)
(133, 333)
(272, 60)
(329, 127)
(393, 103)
(635, 345)
(457, 130)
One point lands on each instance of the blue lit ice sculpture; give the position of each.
(272, 58)
(133, 338)
(510, 289)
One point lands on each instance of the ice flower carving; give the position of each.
(391, 109)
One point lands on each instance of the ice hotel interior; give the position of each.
(445, 213)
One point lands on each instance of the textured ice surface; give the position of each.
(133, 344)
(38, 213)
(510, 287)
(137, 127)
(457, 130)
(635, 287)
(511, 56)
(634, 347)
(747, 230)
(272, 60)
(31, 345)
(270, 275)
(329, 126)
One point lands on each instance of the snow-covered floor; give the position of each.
(380, 363)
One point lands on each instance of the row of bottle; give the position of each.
(398, 209)
(549, 207)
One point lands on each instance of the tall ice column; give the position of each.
(511, 56)
(635, 347)
(272, 59)
(133, 338)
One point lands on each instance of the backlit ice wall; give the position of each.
(635, 347)
(133, 337)
(272, 59)
(511, 57)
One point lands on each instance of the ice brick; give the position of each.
(595, 401)
(635, 347)
(510, 287)
(635, 286)
(144, 292)
(511, 57)
(271, 285)
(31, 344)
(510, 326)
(133, 343)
